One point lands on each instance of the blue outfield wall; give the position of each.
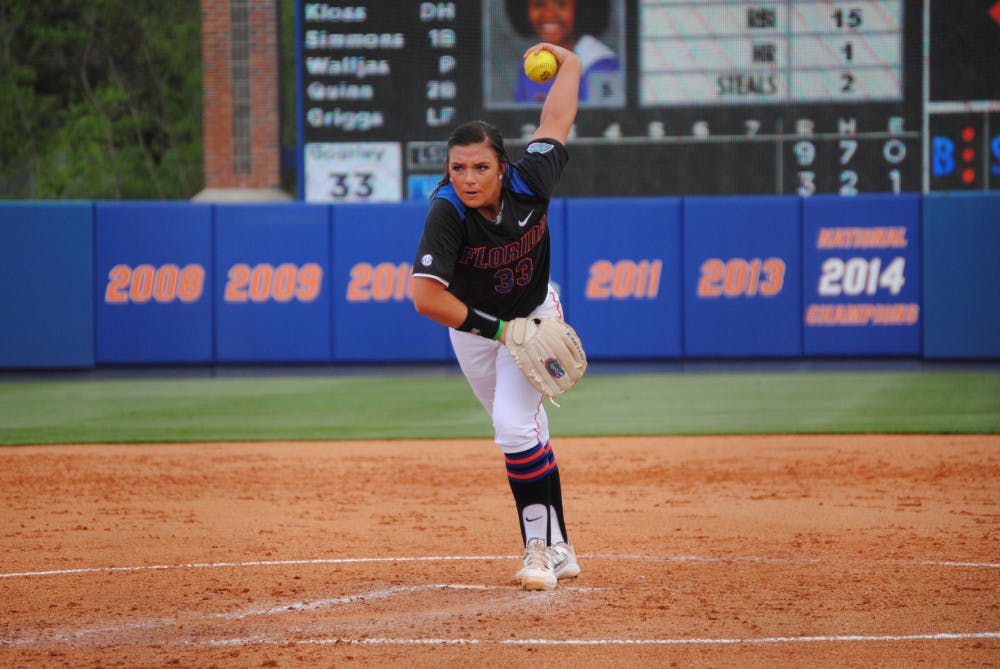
(46, 284)
(152, 283)
(961, 276)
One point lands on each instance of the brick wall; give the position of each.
(222, 131)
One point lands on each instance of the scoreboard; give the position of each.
(708, 97)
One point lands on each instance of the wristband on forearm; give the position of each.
(482, 324)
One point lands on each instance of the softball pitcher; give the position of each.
(483, 259)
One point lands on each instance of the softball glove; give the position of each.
(548, 351)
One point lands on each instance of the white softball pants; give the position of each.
(519, 418)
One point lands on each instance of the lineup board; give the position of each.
(710, 97)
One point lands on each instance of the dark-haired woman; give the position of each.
(483, 259)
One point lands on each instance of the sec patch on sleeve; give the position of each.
(539, 147)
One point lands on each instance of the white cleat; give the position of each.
(537, 573)
(563, 559)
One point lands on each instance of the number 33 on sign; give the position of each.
(353, 172)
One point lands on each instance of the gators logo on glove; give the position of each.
(548, 352)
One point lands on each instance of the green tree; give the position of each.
(102, 99)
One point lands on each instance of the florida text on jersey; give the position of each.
(498, 266)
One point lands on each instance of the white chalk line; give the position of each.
(321, 604)
(255, 563)
(941, 636)
(468, 558)
(301, 606)
(280, 609)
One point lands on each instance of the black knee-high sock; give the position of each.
(534, 479)
(555, 500)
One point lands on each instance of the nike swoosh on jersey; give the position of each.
(524, 221)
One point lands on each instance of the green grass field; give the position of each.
(410, 406)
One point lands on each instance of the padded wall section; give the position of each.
(272, 266)
(623, 276)
(861, 275)
(962, 275)
(742, 274)
(373, 315)
(153, 282)
(47, 274)
(556, 222)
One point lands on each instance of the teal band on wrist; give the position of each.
(499, 330)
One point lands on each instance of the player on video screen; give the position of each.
(571, 25)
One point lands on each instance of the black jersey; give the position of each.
(500, 267)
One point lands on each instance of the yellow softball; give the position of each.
(540, 66)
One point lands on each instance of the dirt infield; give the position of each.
(850, 551)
